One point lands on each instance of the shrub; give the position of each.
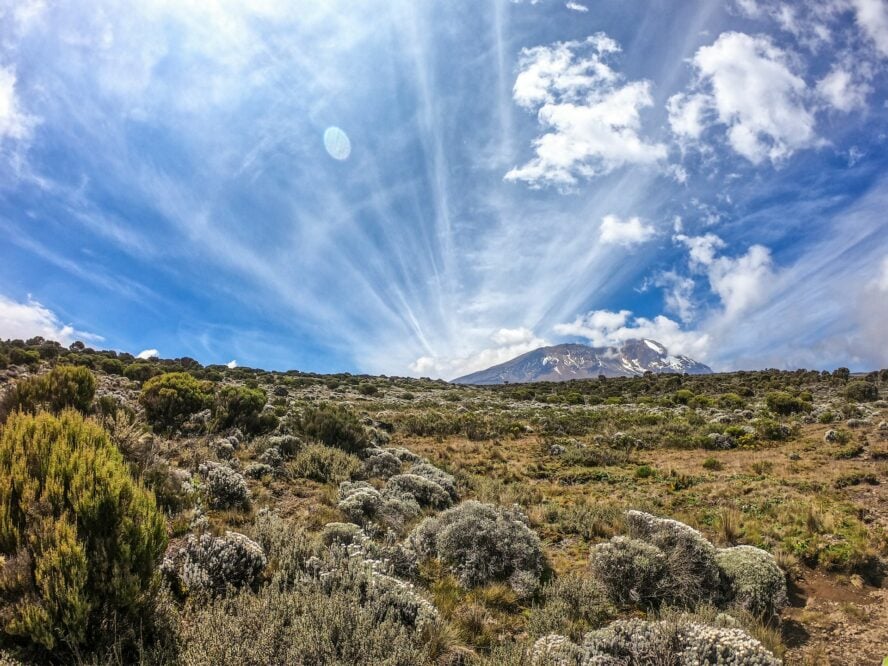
(754, 581)
(334, 426)
(629, 570)
(65, 386)
(169, 399)
(140, 372)
(19, 356)
(324, 464)
(426, 493)
(861, 391)
(224, 487)
(359, 501)
(693, 572)
(572, 604)
(210, 566)
(338, 611)
(288, 445)
(81, 538)
(784, 404)
(481, 543)
(381, 464)
(238, 406)
(713, 464)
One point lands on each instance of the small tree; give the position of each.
(334, 426)
(861, 391)
(238, 406)
(80, 537)
(171, 398)
(62, 387)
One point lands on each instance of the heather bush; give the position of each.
(346, 615)
(272, 457)
(641, 643)
(754, 581)
(63, 387)
(238, 406)
(426, 493)
(481, 543)
(630, 570)
(224, 487)
(334, 426)
(79, 538)
(571, 604)
(438, 476)
(324, 464)
(861, 391)
(784, 404)
(288, 445)
(140, 372)
(359, 501)
(169, 399)
(380, 464)
(211, 566)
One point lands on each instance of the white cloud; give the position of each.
(702, 248)
(576, 6)
(606, 328)
(686, 114)
(747, 82)
(509, 344)
(590, 116)
(742, 282)
(841, 90)
(632, 231)
(14, 123)
(872, 17)
(678, 294)
(231, 364)
(148, 353)
(881, 282)
(31, 319)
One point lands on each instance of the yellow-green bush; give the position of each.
(64, 386)
(239, 406)
(79, 538)
(169, 399)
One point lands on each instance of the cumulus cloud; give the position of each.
(746, 84)
(576, 6)
(872, 17)
(678, 291)
(14, 122)
(148, 353)
(509, 343)
(881, 282)
(740, 282)
(614, 231)
(604, 328)
(231, 364)
(31, 319)
(591, 117)
(842, 90)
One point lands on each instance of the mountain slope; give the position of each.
(575, 361)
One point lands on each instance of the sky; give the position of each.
(430, 187)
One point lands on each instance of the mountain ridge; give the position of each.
(569, 361)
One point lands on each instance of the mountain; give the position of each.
(561, 363)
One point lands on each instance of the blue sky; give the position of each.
(507, 174)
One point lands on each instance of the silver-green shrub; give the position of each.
(224, 487)
(482, 543)
(630, 570)
(754, 581)
(692, 572)
(426, 493)
(381, 464)
(436, 475)
(208, 565)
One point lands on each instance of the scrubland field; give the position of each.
(162, 512)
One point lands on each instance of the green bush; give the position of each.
(112, 366)
(238, 406)
(81, 539)
(62, 387)
(784, 404)
(18, 356)
(861, 391)
(334, 426)
(140, 372)
(324, 464)
(171, 398)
